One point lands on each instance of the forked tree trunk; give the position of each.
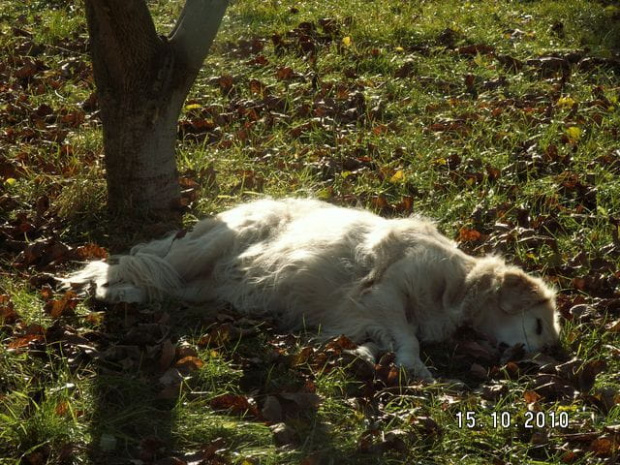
(142, 81)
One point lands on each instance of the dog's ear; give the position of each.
(518, 292)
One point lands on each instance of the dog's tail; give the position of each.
(129, 278)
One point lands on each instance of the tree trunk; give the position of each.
(142, 81)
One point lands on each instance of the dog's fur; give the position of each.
(346, 271)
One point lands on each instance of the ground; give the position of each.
(500, 120)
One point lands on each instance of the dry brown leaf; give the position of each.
(168, 351)
(189, 363)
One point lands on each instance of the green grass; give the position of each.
(443, 108)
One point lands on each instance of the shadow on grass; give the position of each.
(129, 420)
(160, 399)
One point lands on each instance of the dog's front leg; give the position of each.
(384, 304)
(408, 352)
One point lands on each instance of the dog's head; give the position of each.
(516, 308)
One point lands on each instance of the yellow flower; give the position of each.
(346, 41)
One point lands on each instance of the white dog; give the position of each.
(346, 271)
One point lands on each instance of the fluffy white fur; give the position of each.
(346, 271)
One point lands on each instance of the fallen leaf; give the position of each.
(476, 49)
(63, 306)
(272, 410)
(469, 235)
(284, 435)
(573, 134)
(603, 447)
(303, 399)
(189, 364)
(566, 102)
(478, 371)
(168, 351)
(613, 327)
(234, 403)
(8, 315)
(397, 177)
(531, 397)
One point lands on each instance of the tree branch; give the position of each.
(195, 30)
(123, 40)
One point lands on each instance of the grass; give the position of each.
(498, 119)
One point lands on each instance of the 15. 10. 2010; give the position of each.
(530, 420)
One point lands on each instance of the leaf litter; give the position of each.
(295, 98)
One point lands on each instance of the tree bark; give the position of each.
(142, 81)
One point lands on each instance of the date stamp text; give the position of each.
(530, 420)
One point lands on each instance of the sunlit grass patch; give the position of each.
(499, 120)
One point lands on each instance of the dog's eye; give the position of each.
(539, 326)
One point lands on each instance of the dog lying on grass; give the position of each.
(394, 282)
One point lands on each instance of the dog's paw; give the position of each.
(415, 367)
(367, 352)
